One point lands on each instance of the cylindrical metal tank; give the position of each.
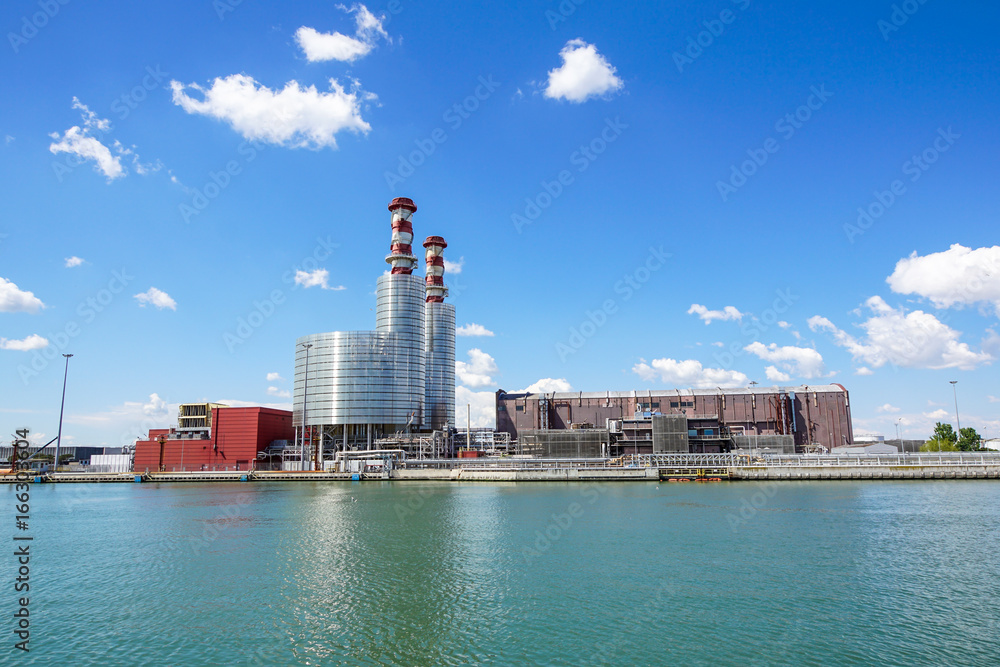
(356, 377)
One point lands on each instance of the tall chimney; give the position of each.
(436, 291)
(401, 252)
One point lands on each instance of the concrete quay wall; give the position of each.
(791, 473)
(517, 475)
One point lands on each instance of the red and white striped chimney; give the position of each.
(436, 291)
(401, 251)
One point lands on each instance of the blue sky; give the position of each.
(652, 196)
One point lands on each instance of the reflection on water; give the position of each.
(444, 573)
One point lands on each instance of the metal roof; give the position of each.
(659, 393)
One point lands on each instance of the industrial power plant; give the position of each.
(390, 392)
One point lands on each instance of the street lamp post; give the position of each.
(62, 406)
(305, 396)
(957, 418)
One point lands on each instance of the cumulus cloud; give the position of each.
(129, 420)
(478, 371)
(908, 340)
(73, 261)
(483, 407)
(887, 408)
(320, 47)
(727, 313)
(15, 300)
(280, 393)
(993, 399)
(80, 141)
(688, 373)
(958, 276)
(774, 375)
(275, 377)
(473, 329)
(864, 370)
(937, 414)
(317, 278)
(546, 386)
(32, 342)
(804, 362)
(585, 73)
(454, 267)
(294, 117)
(156, 297)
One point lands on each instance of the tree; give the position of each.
(969, 440)
(938, 445)
(943, 440)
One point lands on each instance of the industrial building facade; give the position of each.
(354, 387)
(779, 419)
(225, 439)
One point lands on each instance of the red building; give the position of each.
(227, 439)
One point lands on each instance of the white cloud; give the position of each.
(275, 377)
(80, 141)
(8, 139)
(958, 276)
(15, 300)
(802, 361)
(473, 329)
(774, 375)
(887, 408)
(317, 278)
(727, 313)
(688, 373)
(294, 117)
(73, 262)
(547, 385)
(483, 406)
(864, 370)
(908, 340)
(32, 342)
(937, 414)
(478, 371)
(585, 73)
(320, 46)
(156, 297)
(783, 324)
(454, 267)
(993, 399)
(280, 393)
(129, 420)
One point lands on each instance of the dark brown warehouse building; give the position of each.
(777, 419)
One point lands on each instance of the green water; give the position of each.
(829, 573)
